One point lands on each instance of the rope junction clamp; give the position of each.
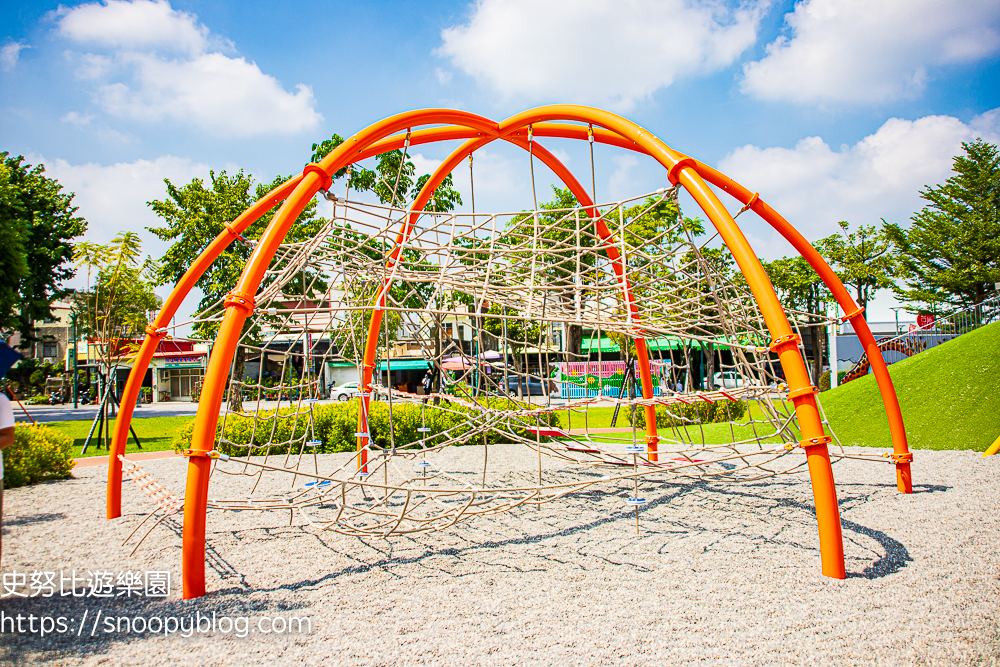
(906, 457)
(784, 340)
(239, 237)
(240, 300)
(160, 333)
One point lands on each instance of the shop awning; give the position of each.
(404, 365)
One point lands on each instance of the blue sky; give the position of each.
(831, 109)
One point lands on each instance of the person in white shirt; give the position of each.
(6, 440)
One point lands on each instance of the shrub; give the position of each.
(39, 454)
(334, 425)
(707, 413)
(824, 380)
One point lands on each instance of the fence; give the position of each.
(590, 379)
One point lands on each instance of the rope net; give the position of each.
(511, 331)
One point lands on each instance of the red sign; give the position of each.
(925, 321)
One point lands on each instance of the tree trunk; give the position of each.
(236, 380)
(817, 346)
(574, 341)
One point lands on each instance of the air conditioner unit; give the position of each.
(48, 360)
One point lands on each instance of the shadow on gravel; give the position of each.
(895, 559)
(930, 488)
(33, 518)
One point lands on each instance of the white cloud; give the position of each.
(161, 67)
(596, 51)
(815, 186)
(855, 51)
(443, 77)
(113, 198)
(139, 24)
(77, 118)
(9, 54)
(620, 184)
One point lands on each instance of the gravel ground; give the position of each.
(718, 573)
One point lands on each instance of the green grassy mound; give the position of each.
(949, 396)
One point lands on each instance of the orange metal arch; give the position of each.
(156, 331)
(678, 168)
(741, 194)
(240, 305)
(378, 138)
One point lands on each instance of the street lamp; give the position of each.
(896, 310)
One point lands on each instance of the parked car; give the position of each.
(724, 380)
(345, 392)
(530, 386)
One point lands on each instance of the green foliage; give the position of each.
(679, 414)
(335, 424)
(39, 454)
(950, 255)
(824, 380)
(194, 215)
(37, 222)
(117, 304)
(863, 258)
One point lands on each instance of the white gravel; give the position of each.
(718, 574)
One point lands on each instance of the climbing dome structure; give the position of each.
(510, 317)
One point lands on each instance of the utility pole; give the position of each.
(76, 396)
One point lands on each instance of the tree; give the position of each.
(37, 222)
(117, 304)
(863, 258)
(193, 216)
(950, 255)
(800, 288)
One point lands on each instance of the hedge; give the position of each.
(707, 413)
(39, 454)
(335, 425)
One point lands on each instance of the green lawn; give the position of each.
(155, 433)
(714, 433)
(949, 396)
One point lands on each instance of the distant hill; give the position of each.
(949, 395)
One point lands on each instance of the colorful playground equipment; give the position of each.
(516, 278)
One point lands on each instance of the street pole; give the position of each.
(76, 396)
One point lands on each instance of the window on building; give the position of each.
(461, 332)
(49, 349)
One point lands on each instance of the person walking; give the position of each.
(8, 357)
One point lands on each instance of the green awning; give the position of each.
(662, 343)
(404, 365)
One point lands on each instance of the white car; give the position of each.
(345, 392)
(725, 380)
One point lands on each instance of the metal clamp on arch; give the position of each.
(803, 391)
(326, 181)
(853, 314)
(905, 457)
(781, 341)
(812, 442)
(240, 300)
(750, 202)
(672, 173)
